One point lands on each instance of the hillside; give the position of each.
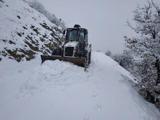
(62, 91)
(27, 29)
(57, 90)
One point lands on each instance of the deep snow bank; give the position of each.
(62, 91)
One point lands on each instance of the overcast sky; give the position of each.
(104, 19)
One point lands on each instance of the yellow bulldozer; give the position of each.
(75, 48)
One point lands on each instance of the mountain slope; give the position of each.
(26, 31)
(59, 90)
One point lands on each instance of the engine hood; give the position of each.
(71, 44)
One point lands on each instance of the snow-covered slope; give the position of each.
(59, 90)
(25, 30)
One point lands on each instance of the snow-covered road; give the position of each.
(62, 91)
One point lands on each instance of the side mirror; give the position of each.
(64, 32)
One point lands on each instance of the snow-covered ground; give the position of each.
(25, 31)
(62, 91)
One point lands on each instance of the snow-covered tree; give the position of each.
(108, 53)
(125, 59)
(146, 44)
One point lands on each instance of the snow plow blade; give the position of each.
(78, 61)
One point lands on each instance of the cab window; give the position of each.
(81, 36)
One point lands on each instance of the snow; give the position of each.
(59, 90)
(71, 44)
(17, 16)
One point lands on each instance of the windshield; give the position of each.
(75, 35)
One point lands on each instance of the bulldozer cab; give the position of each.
(77, 34)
